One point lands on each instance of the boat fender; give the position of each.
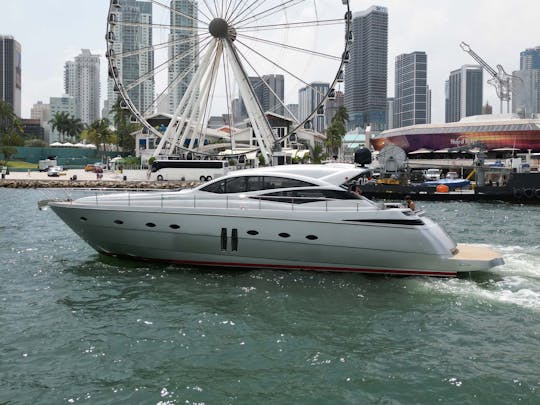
(529, 193)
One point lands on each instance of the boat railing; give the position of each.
(172, 200)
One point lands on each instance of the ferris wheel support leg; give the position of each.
(206, 95)
(174, 125)
(261, 127)
(203, 99)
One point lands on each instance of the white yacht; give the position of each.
(297, 217)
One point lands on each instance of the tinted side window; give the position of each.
(281, 182)
(235, 185)
(254, 183)
(218, 187)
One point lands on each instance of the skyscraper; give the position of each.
(81, 81)
(464, 93)
(131, 38)
(70, 78)
(10, 72)
(526, 100)
(411, 90)
(390, 108)
(183, 52)
(270, 91)
(66, 104)
(530, 59)
(41, 112)
(367, 70)
(309, 98)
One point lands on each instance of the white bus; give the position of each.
(188, 170)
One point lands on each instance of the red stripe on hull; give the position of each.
(294, 267)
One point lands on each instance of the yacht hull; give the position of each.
(342, 241)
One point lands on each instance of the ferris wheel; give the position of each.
(236, 59)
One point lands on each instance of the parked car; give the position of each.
(433, 174)
(452, 175)
(55, 171)
(93, 167)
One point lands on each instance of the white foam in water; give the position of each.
(517, 282)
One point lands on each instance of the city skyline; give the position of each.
(416, 25)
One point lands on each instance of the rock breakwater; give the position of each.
(28, 183)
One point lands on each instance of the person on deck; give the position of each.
(410, 203)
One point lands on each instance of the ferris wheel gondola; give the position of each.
(197, 59)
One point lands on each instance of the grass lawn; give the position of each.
(21, 165)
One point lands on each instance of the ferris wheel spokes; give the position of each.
(219, 54)
(176, 124)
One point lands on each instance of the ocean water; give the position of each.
(78, 327)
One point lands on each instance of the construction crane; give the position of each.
(502, 81)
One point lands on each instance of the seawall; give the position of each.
(38, 183)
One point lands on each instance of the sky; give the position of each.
(52, 32)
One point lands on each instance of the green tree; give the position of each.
(60, 122)
(99, 133)
(124, 128)
(11, 130)
(74, 127)
(336, 131)
(317, 154)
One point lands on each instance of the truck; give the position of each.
(44, 164)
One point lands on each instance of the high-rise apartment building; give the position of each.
(309, 98)
(66, 104)
(464, 93)
(390, 108)
(70, 78)
(411, 99)
(526, 101)
(41, 111)
(530, 59)
(526, 98)
(270, 91)
(131, 38)
(184, 50)
(81, 81)
(366, 73)
(291, 112)
(10, 72)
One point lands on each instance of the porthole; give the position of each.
(118, 222)
(312, 237)
(284, 235)
(253, 233)
(84, 219)
(174, 226)
(150, 225)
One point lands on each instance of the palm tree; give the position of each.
(336, 131)
(74, 127)
(11, 129)
(317, 154)
(99, 133)
(124, 128)
(60, 122)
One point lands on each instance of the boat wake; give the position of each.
(515, 283)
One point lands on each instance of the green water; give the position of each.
(77, 327)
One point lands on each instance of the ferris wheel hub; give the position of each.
(220, 28)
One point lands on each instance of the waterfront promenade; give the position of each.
(135, 179)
